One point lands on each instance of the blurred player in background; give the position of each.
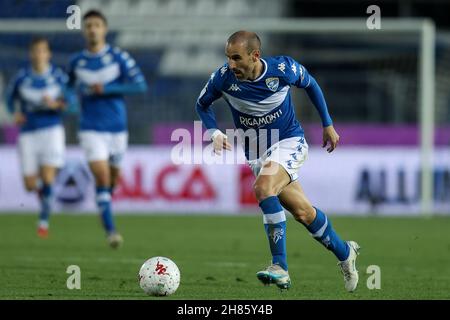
(258, 93)
(103, 75)
(40, 89)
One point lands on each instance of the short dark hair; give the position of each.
(251, 39)
(37, 40)
(95, 13)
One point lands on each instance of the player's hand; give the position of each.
(220, 142)
(97, 88)
(330, 136)
(52, 104)
(19, 118)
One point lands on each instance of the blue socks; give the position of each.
(275, 225)
(104, 205)
(322, 230)
(45, 199)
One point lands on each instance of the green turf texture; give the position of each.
(218, 257)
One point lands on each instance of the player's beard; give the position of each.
(238, 74)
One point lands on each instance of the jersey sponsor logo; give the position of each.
(81, 63)
(272, 83)
(255, 122)
(282, 67)
(234, 87)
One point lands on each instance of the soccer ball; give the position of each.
(159, 276)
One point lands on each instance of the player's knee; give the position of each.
(102, 177)
(304, 214)
(263, 189)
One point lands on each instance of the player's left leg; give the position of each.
(295, 201)
(118, 148)
(114, 177)
(51, 144)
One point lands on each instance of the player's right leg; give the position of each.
(96, 147)
(269, 182)
(47, 176)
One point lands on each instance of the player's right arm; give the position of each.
(208, 95)
(12, 94)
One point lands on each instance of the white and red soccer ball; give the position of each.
(159, 276)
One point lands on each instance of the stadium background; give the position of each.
(370, 82)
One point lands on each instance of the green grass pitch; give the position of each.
(218, 257)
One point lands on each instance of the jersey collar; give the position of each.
(87, 53)
(44, 74)
(262, 74)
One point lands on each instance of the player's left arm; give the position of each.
(300, 77)
(133, 79)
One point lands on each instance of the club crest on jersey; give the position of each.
(106, 59)
(272, 83)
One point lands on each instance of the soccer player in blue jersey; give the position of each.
(103, 75)
(258, 92)
(40, 89)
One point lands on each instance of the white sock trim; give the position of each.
(274, 218)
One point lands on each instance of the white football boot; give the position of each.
(348, 267)
(275, 274)
(115, 240)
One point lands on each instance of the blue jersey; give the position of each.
(119, 74)
(261, 108)
(30, 88)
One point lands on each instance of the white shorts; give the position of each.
(290, 153)
(104, 146)
(42, 147)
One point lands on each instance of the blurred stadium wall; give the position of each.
(370, 82)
